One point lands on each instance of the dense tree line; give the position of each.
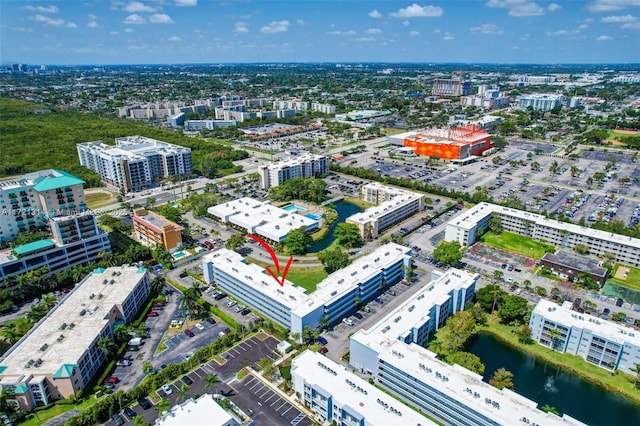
(305, 189)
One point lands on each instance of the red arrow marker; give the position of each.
(280, 280)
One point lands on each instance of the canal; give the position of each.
(344, 210)
(547, 384)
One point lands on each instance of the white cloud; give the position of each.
(373, 31)
(240, 27)
(414, 33)
(366, 39)
(114, 32)
(186, 3)
(375, 14)
(92, 17)
(134, 19)
(338, 32)
(21, 29)
(136, 47)
(491, 29)
(128, 30)
(417, 11)
(160, 18)
(300, 22)
(517, 8)
(53, 22)
(563, 33)
(604, 38)
(437, 31)
(137, 7)
(174, 38)
(631, 25)
(275, 27)
(42, 9)
(406, 23)
(611, 5)
(448, 36)
(553, 7)
(618, 19)
(585, 24)
(92, 24)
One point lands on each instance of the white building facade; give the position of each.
(304, 166)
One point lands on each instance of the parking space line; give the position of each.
(269, 399)
(265, 392)
(290, 407)
(278, 399)
(257, 384)
(282, 405)
(235, 350)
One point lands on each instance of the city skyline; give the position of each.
(192, 31)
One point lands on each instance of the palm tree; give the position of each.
(502, 378)
(120, 332)
(549, 409)
(147, 368)
(10, 335)
(139, 421)
(37, 312)
(163, 406)
(210, 382)
(184, 389)
(190, 300)
(555, 335)
(157, 285)
(49, 300)
(107, 345)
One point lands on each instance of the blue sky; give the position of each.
(205, 31)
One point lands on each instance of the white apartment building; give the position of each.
(261, 218)
(323, 108)
(392, 352)
(304, 166)
(604, 343)
(208, 124)
(541, 102)
(336, 297)
(60, 354)
(467, 227)
(393, 206)
(340, 397)
(291, 104)
(135, 161)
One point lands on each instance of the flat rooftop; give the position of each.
(450, 136)
(350, 390)
(471, 217)
(295, 161)
(202, 411)
(135, 147)
(382, 209)
(153, 220)
(576, 262)
(563, 314)
(92, 297)
(41, 180)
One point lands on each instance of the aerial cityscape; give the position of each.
(320, 213)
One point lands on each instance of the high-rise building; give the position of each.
(135, 161)
(304, 166)
(541, 101)
(451, 87)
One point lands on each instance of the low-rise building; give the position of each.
(540, 101)
(467, 228)
(393, 206)
(393, 352)
(570, 266)
(604, 343)
(201, 411)
(340, 397)
(457, 144)
(303, 166)
(261, 218)
(60, 354)
(150, 229)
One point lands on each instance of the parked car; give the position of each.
(324, 350)
(322, 340)
(199, 326)
(144, 403)
(187, 380)
(119, 421)
(112, 379)
(210, 320)
(379, 300)
(130, 413)
(348, 321)
(189, 333)
(167, 389)
(230, 303)
(245, 311)
(159, 304)
(153, 314)
(123, 363)
(358, 315)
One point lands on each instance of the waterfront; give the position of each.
(547, 384)
(344, 210)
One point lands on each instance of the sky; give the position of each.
(104, 32)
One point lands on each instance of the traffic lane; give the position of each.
(265, 406)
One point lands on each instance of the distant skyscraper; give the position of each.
(451, 87)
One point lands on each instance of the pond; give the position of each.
(547, 384)
(344, 210)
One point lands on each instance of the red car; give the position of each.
(152, 314)
(112, 379)
(158, 304)
(189, 333)
(324, 350)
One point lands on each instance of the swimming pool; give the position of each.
(314, 216)
(178, 255)
(292, 207)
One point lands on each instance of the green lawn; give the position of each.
(620, 383)
(632, 280)
(95, 200)
(307, 278)
(359, 202)
(517, 244)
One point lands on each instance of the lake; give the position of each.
(344, 210)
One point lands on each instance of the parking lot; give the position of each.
(265, 406)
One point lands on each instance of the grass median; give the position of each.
(518, 244)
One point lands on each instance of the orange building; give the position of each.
(451, 144)
(150, 229)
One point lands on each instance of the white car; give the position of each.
(167, 389)
(230, 303)
(199, 326)
(348, 321)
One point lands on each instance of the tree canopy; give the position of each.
(449, 252)
(297, 242)
(306, 189)
(333, 259)
(348, 235)
(513, 309)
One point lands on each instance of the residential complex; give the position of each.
(393, 206)
(304, 166)
(392, 352)
(467, 227)
(51, 199)
(340, 397)
(152, 229)
(60, 354)
(451, 87)
(261, 218)
(336, 297)
(603, 343)
(458, 143)
(208, 124)
(201, 411)
(488, 97)
(570, 266)
(541, 102)
(135, 161)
